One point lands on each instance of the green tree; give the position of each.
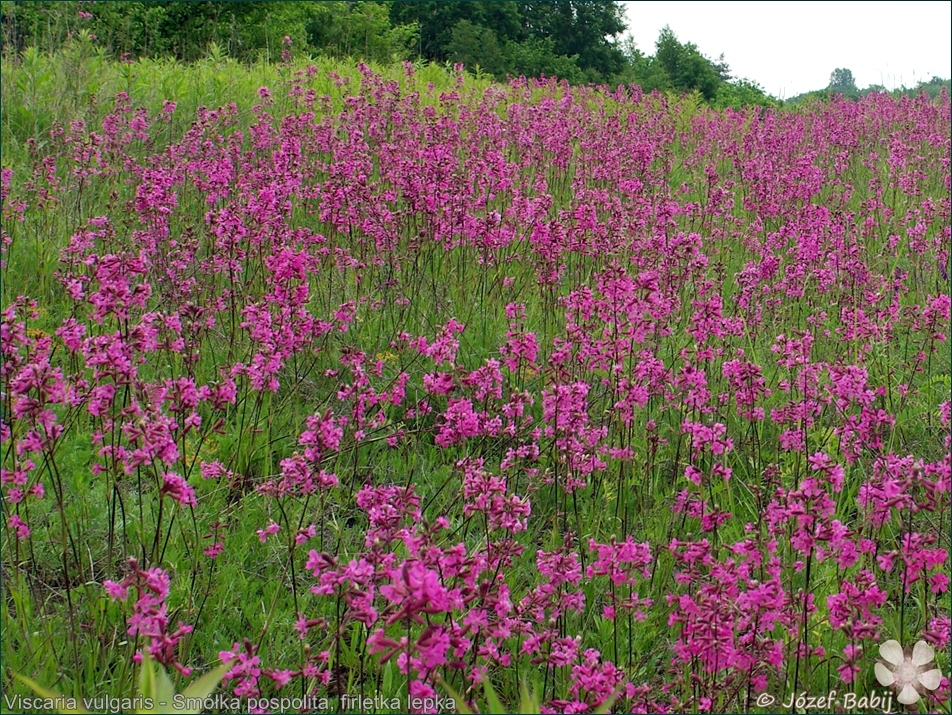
(477, 46)
(841, 80)
(567, 38)
(119, 27)
(358, 29)
(184, 30)
(722, 68)
(686, 68)
(742, 93)
(535, 57)
(437, 22)
(641, 69)
(582, 28)
(934, 87)
(248, 30)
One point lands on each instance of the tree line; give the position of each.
(843, 83)
(577, 40)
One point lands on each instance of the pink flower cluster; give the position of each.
(574, 386)
(149, 617)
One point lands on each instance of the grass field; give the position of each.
(394, 384)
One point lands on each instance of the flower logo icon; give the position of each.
(910, 675)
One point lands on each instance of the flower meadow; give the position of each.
(401, 389)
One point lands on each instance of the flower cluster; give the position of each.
(411, 387)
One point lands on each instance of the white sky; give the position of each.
(792, 47)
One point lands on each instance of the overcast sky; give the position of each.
(792, 47)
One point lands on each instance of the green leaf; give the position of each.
(49, 695)
(204, 687)
(528, 702)
(495, 706)
(461, 706)
(387, 678)
(155, 686)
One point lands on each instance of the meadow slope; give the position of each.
(391, 383)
